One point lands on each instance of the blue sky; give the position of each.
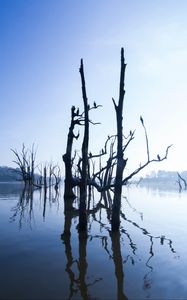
(41, 43)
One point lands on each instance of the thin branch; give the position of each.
(94, 123)
(114, 102)
(146, 164)
(146, 137)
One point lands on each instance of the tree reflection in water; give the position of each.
(23, 211)
(80, 284)
(111, 242)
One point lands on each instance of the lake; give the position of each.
(146, 260)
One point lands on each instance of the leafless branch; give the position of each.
(125, 180)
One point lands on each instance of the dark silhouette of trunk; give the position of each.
(29, 176)
(102, 180)
(45, 191)
(33, 156)
(118, 263)
(45, 178)
(84, 170)
(67, 158)
(51, 167)
(120, 160)
(45, 187)
(180, 178)
(69, 214)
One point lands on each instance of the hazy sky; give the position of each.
(41, 43)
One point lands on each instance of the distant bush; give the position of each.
(9, 174)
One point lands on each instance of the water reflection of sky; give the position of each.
(147, 260)
(164, 213)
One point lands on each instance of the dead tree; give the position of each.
(121, 162)
(50, 173)
(25, 160)
(118, 158)
(83, 164)
(32, 163)
(45, 178)
(181, 179)
(67, 157)
(103, 179)
(20, 161)
(57, 178)
(81, 119)
(84, 169)
(53, 175)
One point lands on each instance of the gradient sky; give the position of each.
(41, 43)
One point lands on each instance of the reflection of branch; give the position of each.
(26, 198)
(145, 232)
(147, 280)
(151, 253)
(23, 211)
(134, 209)
(96, 211)
(104, 242)
(132, 245)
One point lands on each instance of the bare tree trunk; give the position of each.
(33, 156)
(84, 173)
(67, 158)
(180, 178)
(45, 180)
(29, 176)
(120, 160)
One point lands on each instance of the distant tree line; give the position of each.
(166, 177)
(9, 174)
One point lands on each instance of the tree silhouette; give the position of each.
(25, 160)
(115, 148)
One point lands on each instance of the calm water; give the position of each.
(147, 260)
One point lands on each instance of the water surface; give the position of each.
(146, 260)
